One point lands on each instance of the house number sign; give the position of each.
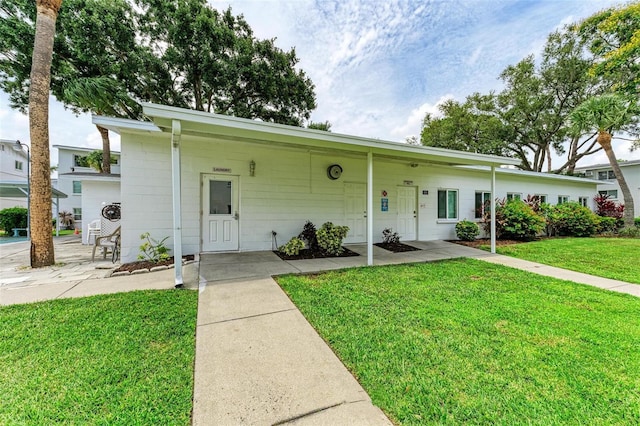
(222, 169)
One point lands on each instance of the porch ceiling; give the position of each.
(203, 124)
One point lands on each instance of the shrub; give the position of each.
(13, 217)
(636, 222)
(573, 220)
(605, 224)
(293, 247)
(390, 237)
(518, 221)
(608, 208)
(66, 220)
(308, 235)
(629, 232)
(153, 250)
(330, 238)
(467, 230)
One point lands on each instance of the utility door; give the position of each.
(355, 208)
(220, 214)
(407, 213)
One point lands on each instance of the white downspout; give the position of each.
(176, 133)
(493, 209)
(370, 208)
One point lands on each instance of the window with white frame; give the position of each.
(563, 199)
(18, 165)
(541, 197)
(77, 213)
(606, 175)
(447, 204)
(584, 201)
(77, 187)
(514, 196)
(483, 201)
(612, 193)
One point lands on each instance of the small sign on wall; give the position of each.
(222, 170)
(384, 204)
(408, 182)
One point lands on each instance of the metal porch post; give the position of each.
(176, 133)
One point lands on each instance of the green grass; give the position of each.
(615, 258)
(115, 359)
(467, 342)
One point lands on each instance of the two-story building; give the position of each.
(610, 187)
(13, 168)
(88, 189)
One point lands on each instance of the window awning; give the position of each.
(20, 190)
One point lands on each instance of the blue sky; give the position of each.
(380, 65)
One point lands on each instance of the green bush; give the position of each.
(13, 217)
(467, 230)
(636, 222)
(293, 247)
(518, 221)
(390, 237)
(606, 224)
(153, 250)
(330, 238)
(572, 220)
(629, 232)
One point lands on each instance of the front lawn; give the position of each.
(467, 342)
(615, 258)
(124, 358)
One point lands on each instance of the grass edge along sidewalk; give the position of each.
(614, 258)
(123, 358)
(464, 341)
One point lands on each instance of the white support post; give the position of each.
(370, 208)
(176, 133)
(493, 209)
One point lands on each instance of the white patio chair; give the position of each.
(93, 230)
(106, 243)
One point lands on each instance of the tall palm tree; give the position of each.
(40, 189)
(606, 114)
(102, 96)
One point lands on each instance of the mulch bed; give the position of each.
(309, 254)
(145, 264)
(396, 247)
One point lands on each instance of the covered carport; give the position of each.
(10, 189)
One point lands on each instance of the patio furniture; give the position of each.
(93, 230)
(106, 243)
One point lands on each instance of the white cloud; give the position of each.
(413, 125)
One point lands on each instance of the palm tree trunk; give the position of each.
(106, 150)
(40, 189)
(604, 139)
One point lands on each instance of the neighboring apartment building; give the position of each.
(604, 173)
(13, 168)
(87, 189)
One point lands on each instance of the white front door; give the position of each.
(407, 213)
(220, 215)
(355, 208)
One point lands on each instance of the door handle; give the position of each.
(236, 216)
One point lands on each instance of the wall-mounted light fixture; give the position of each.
(252, 168)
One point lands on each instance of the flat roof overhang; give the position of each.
(204, 124)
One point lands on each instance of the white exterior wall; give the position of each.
(66, 169)
(96, 194)
(291, 186)
(8, 171)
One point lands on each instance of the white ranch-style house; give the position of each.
(216, 183)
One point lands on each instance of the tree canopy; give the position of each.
(530, 116)
(181, 53)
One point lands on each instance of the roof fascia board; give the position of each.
(222, 125)
(119, 124)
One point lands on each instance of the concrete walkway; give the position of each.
(258, 361)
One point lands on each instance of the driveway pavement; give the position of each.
(258, 361)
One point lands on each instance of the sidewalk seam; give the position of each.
(316, 411)
(247, 317)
